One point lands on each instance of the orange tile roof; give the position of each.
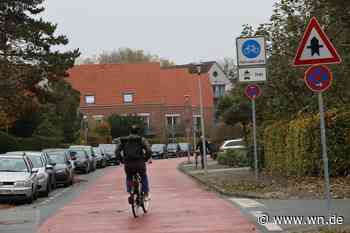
(147, 81)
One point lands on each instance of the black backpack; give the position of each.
(132, 148)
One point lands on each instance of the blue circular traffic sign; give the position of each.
(252, 91)
(251, 48)
(318, 78)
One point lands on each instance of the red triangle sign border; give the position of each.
(313, 24)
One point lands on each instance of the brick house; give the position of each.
(219, 81)
(166, 99)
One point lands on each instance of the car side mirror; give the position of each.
(53, 164)
(35, 170)
(49, 166)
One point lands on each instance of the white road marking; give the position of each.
(246, 203)
(273, 227)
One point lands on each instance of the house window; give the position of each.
(89, 99)
(173, 120)
(145, 117)
(128, 98)
(197, 122)
(219, 90)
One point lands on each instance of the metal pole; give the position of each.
(194, 138)
(324, 153)
(202, 124)
(254, 141)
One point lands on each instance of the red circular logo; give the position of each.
(252, 91)
(318, 78)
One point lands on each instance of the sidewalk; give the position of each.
(178, 205)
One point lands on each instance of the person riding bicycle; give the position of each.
(136, 152)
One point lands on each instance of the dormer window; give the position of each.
(128, 98)
(89, 99)
(215, 74)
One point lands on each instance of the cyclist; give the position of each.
(136, 152)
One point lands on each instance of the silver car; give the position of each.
(44, 185)
(18, 178)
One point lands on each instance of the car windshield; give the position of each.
(57, 157)
(109, 148)
(36, 160)
(157, 147)
(13, 165)
(234, 143)
(172, 146)
(80, 154)
(83, 148)
(184, 146)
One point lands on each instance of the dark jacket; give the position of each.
(200, 147)
(146, 150)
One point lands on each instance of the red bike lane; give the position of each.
(178, 205)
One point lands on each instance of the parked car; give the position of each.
(159, 151)
(101, 159)
(186, 148)
(81, 160)
(232, 144)
(63, 164)
(173, 150)
(18, 178)
(46, 171)
(91, 154)
(109, 150)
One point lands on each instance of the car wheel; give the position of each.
(30, 199)
(87, 169)
(48, 189)
(36, 194)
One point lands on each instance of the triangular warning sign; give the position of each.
(315, 47)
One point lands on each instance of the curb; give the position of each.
(215, 188)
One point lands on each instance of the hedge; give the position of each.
(233, 158)
(11, 143)
(293, 148)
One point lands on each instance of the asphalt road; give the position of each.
(20, 218)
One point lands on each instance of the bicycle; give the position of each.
(137, 198)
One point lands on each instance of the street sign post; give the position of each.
(252, 92)
(319, 78)
(315, 47)
(255, 74)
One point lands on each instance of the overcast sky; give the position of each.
(181, 30)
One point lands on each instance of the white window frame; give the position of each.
(148, 115)
(172, 115)
(87, 97)
(131, 97)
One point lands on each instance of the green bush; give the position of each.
(7, 142)
(293, 148)
(10, 143)
(233, 158)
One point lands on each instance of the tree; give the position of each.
(27, 57)
(285, 94)
(126, 55)
(121, 125)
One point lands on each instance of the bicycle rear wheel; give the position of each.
(135, 205)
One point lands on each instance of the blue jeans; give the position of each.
(144, 182)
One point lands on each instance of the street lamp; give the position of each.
(199, 69)
(85, 124)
